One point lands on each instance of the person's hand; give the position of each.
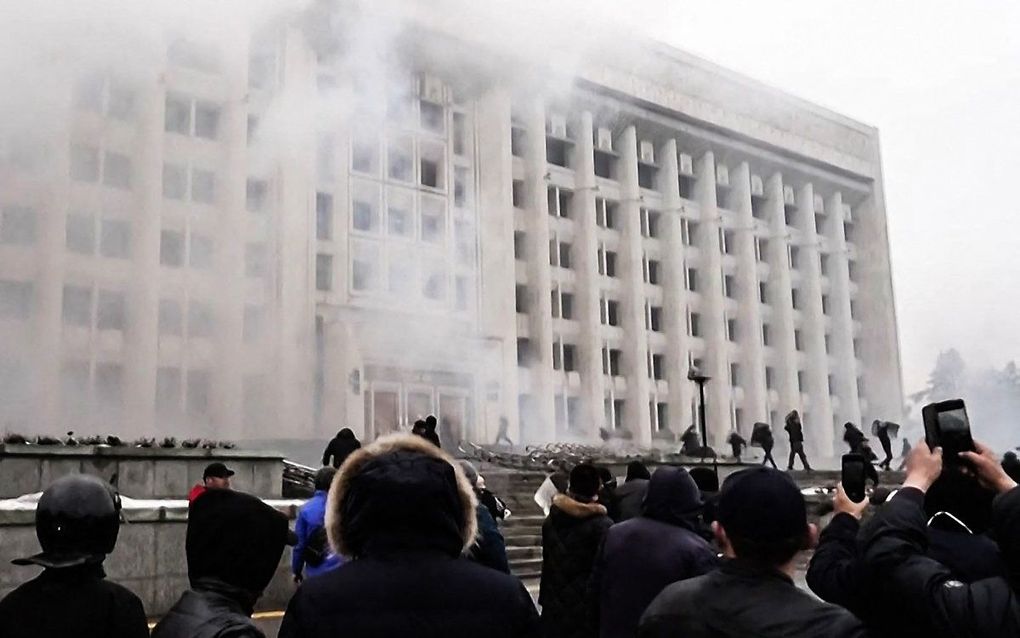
(924, 465)
(842, 504)
(988, 469)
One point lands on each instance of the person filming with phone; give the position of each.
(895, 544)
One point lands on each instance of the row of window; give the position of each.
(367, 276)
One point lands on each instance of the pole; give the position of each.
(701, 417)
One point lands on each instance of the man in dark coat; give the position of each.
(837, 573)
(761, 526)
(607, 494)
(77, 522)
(762, 436)
(339, 448)
(928, 592)
(641, 556)
(631, 494)
(737, 444)
(795, 429)
(882, 429)
(426, 429)
(234, 544)
(406, 515)
(853, 437)
(571, 536)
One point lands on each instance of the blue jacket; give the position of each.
(311, 516)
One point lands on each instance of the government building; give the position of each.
(278, 237)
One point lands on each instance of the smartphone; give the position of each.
(852, 477)
(946, 425)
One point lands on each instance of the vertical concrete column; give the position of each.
(843, 362)
(785, 360)
(539, 275)
(715, 363)
(49, 282)
(751, 354)
(632, 305)
(586, 295)
(819, 431)
(876, 310)
(295, 250)
(141, 345)
(496, 251)
(226, 406)
(674, 294)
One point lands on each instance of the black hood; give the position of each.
(401, 494)
(235, 538)
(672, 497)
(1006, 529)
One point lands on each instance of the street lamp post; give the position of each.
(696, 376)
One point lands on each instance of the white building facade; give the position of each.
(176, 261)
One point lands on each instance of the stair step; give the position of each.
(523, 540)
(526, 565)
(516, 553)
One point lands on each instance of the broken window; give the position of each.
(16, 299)
(77, 306)
(171, 248)
(115, 239)
(17, 226)
(323, 272)
(175, 182)
(171, 319)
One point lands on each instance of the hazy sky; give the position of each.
(941, 81)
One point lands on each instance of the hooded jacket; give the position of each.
(311, 519)
(403, 512)
(571, 536)
(234, 544)
(640, 557)
(629, 497)
(895, 546)
(340, 447)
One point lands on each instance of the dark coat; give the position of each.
(837, 573)
(640, 557)
(211, 610)
(571, 536)
(490, 548)
(853, 437)
(339, 448)
(72, 601)
(927, 590)
(795, 429)
(405, 516)
(739, 600)
(629, 497)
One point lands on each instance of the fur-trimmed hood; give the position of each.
(400, 493)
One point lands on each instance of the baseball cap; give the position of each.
(761, 504)
(217, 470)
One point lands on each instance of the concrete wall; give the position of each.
(144, 473)
(149, 558)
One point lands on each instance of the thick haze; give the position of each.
(941, 81)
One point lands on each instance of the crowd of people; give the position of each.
(401, 539)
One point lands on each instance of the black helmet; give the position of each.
(77, 520)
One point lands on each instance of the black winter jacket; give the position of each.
(837, 573)
(339, 448)
(211, 610)
(740, 600)
(571, 536)
(927, 591)
(640, 557)
(72, 601)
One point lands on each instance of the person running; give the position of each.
(795, 429)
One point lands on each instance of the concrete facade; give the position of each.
(451, 243)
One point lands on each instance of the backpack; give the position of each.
(317, 548)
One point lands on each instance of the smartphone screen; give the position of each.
(954, 421)
(954, 432)
(853, 477)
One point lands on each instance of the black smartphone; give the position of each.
(852, 477)
(946, 425)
